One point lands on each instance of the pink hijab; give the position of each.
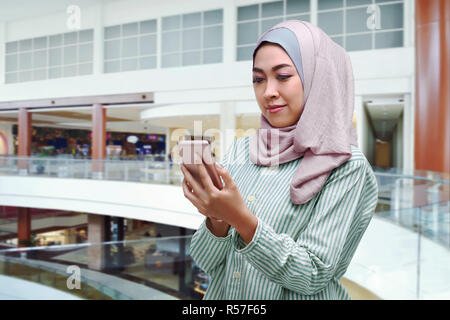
(324, 132)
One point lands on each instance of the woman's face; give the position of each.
(276, 83)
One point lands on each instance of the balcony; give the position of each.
(404, 254)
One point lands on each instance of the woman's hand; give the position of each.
(226, 204)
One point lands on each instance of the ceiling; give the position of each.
(384, 114)
(120, 119)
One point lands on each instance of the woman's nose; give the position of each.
(271, 91)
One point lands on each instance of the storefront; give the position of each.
(77, 143)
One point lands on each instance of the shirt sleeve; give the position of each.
(308, 264)
(207, 250)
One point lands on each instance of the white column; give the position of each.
(2, 52)
(399, 143)
(409, 23)
(227, 126)
(314, 6)
(159, 44)
(229, 31)
(98, 40)
(408, 134)
(361, 125)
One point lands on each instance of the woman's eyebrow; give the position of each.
(283, 65)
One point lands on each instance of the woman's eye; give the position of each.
(283, 77)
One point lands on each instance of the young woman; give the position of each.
(298, 195)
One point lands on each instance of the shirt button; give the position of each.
(236, 275)
(251, 198)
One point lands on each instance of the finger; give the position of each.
(188, 193)
(192, 198)
(204, 176)
(187, 185)
(190, 179)
(224, 174)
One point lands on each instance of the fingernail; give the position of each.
(218, 166)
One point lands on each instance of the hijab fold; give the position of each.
(324, 132)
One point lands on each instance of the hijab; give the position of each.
(324, 133)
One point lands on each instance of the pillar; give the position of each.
(24, 131)
(360, 124)
(98, 139)
(408, 134)
(24, 150)
(97, 11)
(23, 227)
(227, 127)
(230, 29)
(98, 224)
(432, 125)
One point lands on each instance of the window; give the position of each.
(55, 56)
(347, 22)
(192, 39)
(254, 19)
(130, 46)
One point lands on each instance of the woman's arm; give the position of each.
(217, 228)
(208, 250)
(307, 265)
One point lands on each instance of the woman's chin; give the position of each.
(277, 123)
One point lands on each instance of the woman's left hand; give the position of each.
(226, 204)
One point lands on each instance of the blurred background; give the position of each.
(95, 95)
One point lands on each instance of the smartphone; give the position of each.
(188, 148)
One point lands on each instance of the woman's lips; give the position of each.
(276, 109)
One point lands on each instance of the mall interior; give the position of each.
(96, 94)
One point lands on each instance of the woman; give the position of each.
(298, 194)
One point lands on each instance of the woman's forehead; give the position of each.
(269, 56)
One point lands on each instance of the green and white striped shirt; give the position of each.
(297, 251)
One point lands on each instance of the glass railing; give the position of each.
(154, 268)
(156, 168)
(406, 256)
(413, 259)
(147, 170)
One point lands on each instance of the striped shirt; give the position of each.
(297, 251)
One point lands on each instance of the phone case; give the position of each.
(188, 148)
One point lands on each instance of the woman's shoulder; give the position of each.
(241, 146)
(357, 155)
(357, 163)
